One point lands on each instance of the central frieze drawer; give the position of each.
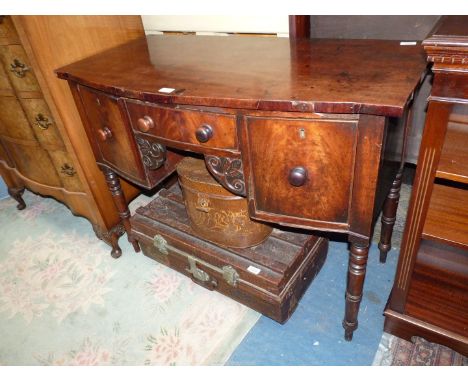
(187, 128)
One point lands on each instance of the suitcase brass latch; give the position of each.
(230, 275)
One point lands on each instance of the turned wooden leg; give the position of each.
(355, 282)
(113, 183)
(389, 213)
(16, 193)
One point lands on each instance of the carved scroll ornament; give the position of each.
(228, 172)
(153, 154)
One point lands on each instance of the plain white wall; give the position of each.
(277, 24)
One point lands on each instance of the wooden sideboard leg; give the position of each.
(113, 183)
(356, 273)
(16, 193)
(389, 213)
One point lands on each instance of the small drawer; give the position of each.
(5, 87)
(113, 142)
(187, 128)
(8, 33)
(40, 118)
(65, 169)
(300, 169)
(4, 156)
(17, 66)
(13, 121)
(33, 162)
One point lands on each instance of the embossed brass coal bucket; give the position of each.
(215, 213)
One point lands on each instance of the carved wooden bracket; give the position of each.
(229, 172)
(152, 153)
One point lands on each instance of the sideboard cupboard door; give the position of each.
(13, 123)
(107, 126)
(301, 169)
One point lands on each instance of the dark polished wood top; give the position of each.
(259, 73)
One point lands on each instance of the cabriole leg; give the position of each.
(111, 237)
(16, 193)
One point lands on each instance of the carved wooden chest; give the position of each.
(270, 277)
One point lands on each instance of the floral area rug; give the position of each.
(65, 301)
(394, 351)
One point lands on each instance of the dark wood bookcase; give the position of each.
(430, 292)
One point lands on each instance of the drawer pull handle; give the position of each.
(104, 134)
(297, 176)
(145, 124)
(42, 121)
(204, 133)
(18, 68)
(68, 170)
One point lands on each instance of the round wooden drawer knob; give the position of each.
(104, 133)
(204, 133)
(145, 124)
(297, 176)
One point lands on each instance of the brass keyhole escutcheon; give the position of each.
(302, 133)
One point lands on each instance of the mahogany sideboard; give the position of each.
(430, 293)
(43, 146)
(296, 126)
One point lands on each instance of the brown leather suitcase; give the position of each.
(270, 277)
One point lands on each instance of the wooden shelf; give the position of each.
(439, 293)
(453, 164)
(447, 217)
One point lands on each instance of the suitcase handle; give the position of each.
(199, 276)
(211, 284)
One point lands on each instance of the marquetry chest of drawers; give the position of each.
(42, 142)
(29, 139)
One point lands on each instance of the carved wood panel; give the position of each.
(229, 172)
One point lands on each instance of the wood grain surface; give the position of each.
(334, 76)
